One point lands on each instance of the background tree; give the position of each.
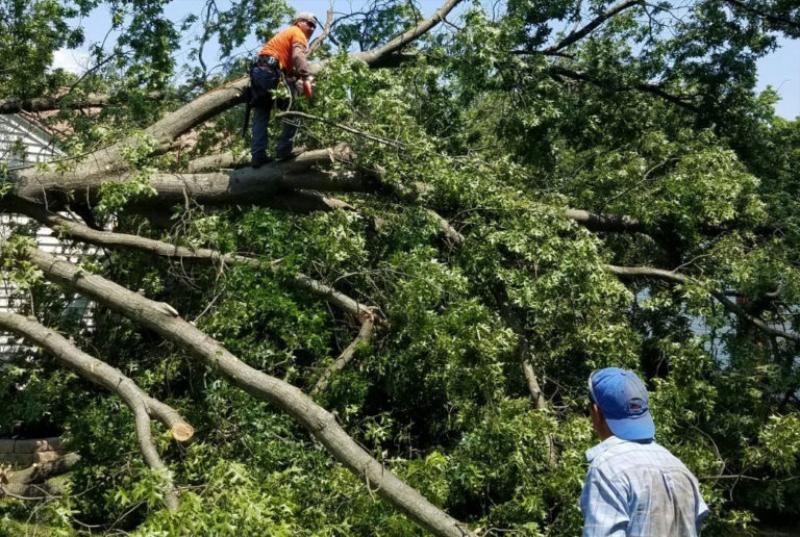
(491, 208)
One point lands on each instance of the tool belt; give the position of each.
(267, 61)
(265, 74)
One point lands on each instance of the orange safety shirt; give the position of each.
(280, 46)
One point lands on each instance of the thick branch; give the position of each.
(676, 277)
(320, 423)
(59, 102)
(42, 104)
(216, 161)
(109, 239)
(375, 55)
(364, 335)
(226, 187)
(108, 161)
(579, 34)
(96, 371)
(115, 381)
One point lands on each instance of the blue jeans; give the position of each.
(263, 80)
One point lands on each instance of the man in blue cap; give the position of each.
(635, 487)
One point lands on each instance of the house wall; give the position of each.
(23, 143)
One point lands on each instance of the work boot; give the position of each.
(257, 162)
(293, 153)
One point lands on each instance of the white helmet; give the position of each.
(305, 16)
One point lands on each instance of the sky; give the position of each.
(780, 70)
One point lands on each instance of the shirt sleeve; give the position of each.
(702, 512)
(299, 47)
(604, 507)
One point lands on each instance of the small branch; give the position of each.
(557, 70)
(364, 335)
(394, 143)
(533, 385)
(675, 277)
(109, 239)
(149, 452)
(591, 26)
(326, 31)
(648, 272)
(525, 355)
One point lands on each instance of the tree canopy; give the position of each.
(391, 334)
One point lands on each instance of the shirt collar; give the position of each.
(603, 446)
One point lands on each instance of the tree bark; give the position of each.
(244, 185)
(320, 423)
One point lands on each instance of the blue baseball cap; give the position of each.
(622, 397)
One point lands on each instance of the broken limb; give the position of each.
(318, 421)
(372, 57)
(31, 483)
(111, 378)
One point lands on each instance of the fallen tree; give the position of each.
(165, 321)
(425, 290)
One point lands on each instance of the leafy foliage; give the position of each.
(652, 116)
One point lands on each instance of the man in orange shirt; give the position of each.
(284, 53)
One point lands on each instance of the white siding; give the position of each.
(23, 143)
(17, 133)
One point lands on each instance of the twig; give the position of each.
(364, 335)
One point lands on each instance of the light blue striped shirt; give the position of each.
(639, 490)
